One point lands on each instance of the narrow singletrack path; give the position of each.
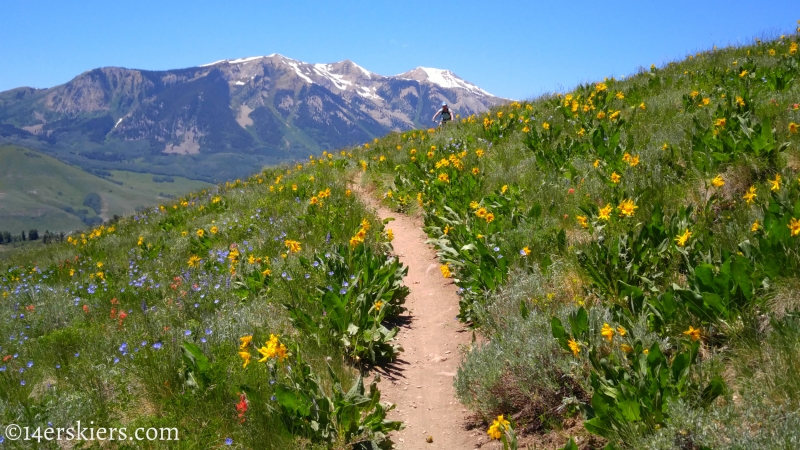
(420, 382)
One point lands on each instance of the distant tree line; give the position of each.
(32, 235)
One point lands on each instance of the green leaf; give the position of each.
(597, 426)
(535, 212)
(292, 400)
(630, 410)
(195, 356)
(741, 270)
(680, 366)
(570, 445)
(579, 322)
(704, 274)
(524, 311)
(715, 388)
(559, 333)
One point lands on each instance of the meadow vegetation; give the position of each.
(237, 315)
(628, 250)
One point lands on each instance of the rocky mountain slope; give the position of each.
(226, 118)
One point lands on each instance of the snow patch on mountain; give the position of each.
(449, 80)
(325, 70)
(365, 71)
(240, 60)
(294, 65)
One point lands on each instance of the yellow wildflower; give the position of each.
(683, 238)
(607, 332)
(717, 181)
(355, 240)
(574, 346)
(605, 212)
(293, 246)
(245, 341)
(627, 208)
(794, 226)
(200, 232)
(499, 426)
(693, 333)
(194, 261)
(273, 349)
(775, 185)
(755, 226)
(750, 195)
(245, 355)
(615, 178)
(445, 271)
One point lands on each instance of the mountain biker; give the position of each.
(446, 114)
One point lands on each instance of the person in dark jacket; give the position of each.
(445, 113)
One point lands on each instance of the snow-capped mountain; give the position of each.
(256, 110)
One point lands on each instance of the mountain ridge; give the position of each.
(261, 109)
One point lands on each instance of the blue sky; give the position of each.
(514, 49)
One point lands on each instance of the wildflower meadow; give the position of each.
(627, 252)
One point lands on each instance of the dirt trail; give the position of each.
(420, 383)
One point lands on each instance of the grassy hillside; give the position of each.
(233, 315)
(629, 250)
(35, 190)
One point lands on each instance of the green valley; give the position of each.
(40, 192)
